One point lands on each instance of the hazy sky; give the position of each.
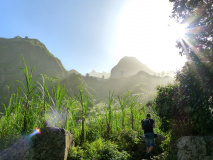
(96, 34)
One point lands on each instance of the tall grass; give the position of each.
(122, 102)
(84, 107)
(73, 112)
(69, 116)
(44, 95)
(132, 103)
(28, 90)
(109, 113)
(53, 106)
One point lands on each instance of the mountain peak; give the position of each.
(129, 66)
(99, 75)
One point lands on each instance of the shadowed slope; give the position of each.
(12, 52)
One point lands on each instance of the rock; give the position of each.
(195, 148)
(51, 144)
(69, 142)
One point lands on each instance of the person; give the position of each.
(147, 125)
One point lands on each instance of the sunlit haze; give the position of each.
(146, 32)
(94, 34)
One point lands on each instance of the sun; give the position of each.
(178, 31)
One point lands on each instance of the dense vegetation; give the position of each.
(59, 98)
(102, 131)
(186, 108)
(111, 129)
(142, 84)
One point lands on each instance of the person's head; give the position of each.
(148, 115)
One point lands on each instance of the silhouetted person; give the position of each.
(147, 125)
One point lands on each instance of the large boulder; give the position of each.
(195, 148)
(51, 144)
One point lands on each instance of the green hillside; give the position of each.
(12, 52)
(140, 83)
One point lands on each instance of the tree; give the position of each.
(17, 37)
(185, 107)
(192, 100)
(198, 41)
(87, 74)
(165, 105)
(197, 14)
(196, 98)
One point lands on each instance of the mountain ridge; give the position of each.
(136, 78)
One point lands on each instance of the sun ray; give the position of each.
(194, 49)
(196, 53)
(184, 47)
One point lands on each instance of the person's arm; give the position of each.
(153, 124)
(142, 125)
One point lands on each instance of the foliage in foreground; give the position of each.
(102, 131)
(99, 149)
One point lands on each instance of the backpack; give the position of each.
(147, 125)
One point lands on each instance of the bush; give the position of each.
(76, 153)
(110, 151)
(128, 139)
(92, 150)
(98, 150)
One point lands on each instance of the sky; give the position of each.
(96, 34)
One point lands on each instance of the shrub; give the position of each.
(128, 139)
(98, 150)
(110, 151)
(76, 153)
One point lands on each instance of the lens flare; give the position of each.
(36, 131)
